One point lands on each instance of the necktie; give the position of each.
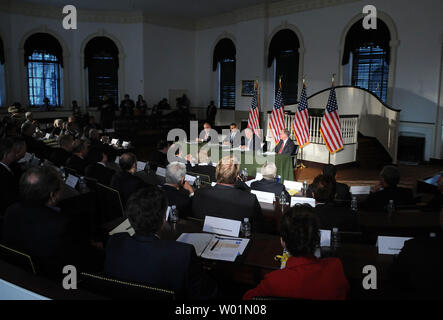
(281, 148)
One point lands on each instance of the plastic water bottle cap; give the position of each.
(334, 229)
(173, 207)
(246, 219)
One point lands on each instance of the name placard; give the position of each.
(222, 226)
(161, 172)
(265, 197)
(295, 200)
(293, 185)
(71, 181)
(360, 189)
(390, 245)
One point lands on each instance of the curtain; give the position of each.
(283, 41)
(44, 79)
(43, 42)
(224, 50)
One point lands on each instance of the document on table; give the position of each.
(141, 166)
(210, 246)
(125, 226)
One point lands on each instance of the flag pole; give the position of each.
(301, 165)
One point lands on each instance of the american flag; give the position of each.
(253, 119)
(330, 128)
(300, 125)
(276, 120)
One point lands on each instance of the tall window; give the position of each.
(224, 61)
(101, 62)
(366, 58)
(44, 63)
(283, 53)
(2, 75)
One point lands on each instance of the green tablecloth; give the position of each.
(248, 159)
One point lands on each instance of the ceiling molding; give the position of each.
(281, 8)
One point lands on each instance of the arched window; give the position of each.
(44, 63)
(283, 53)
(366, 58)
(224, 61)
(2, 75)
(101, 64)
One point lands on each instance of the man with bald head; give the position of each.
(125, 182)
(250, 142)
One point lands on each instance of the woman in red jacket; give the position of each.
(305, 276)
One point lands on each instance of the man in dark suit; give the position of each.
(125, 182)
(146, 259)
(206, 134)
(340, 190)
(60, 155)
(285, 145)
(203, 167)
(224, 200)
(177, 190)
(160, 155)
(8, 181)
(107, 110)
(250, 141)
(387, 189)
(98, 169)
(78, 161)
(37, 226)
(39, 148)
(330, 214)
(233, 138)
(416, 271)
(127, 106)
(268, 183)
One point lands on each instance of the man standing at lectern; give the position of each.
(285, 145)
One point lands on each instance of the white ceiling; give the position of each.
(188, 9)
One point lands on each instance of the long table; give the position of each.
(248, 159)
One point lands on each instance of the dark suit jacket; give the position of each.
(59, 157)
(289, 149)
(255, 144)
(236, 139)
(39, 148)
(341, 192)
(77, 163)
(100, 173)
(229, 203)
(165, 264)
(207, 170)
(417, 270)
(270, 186)
(378, 200)
(179, 198)
(52, 237)
(8, 189)
(159, 158)
(126, 184)
(333, 216)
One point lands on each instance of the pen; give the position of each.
(216, 242)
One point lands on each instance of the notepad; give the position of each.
(215, 247)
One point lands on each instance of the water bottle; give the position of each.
(197, 182)
(173, 215)
(354, 207)
(305, 188)
(246, 228)
(82, 185)
(245, 174)
(391, 208)
(335, 239)
(63, 173)
(283, 200)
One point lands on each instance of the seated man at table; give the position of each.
(38, 227)
(285, 145)
(305, 276)
(125, 182)
(98, 169)
(387, 189)
(39, 148)
(160, 155)
(330, 214)
(60, 155)
(146, 259)
(250, 142)
(416, 271)
(268, 183)
(203, 167)
(205, 135)
(78, 160)
(341, 190)
(231, 139)
(177, 190)
(226, 201)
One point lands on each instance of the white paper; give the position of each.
(167, 213)
(125, 144)
(26, 158)
(117, 159)
(390, 245)
(213, 184)
(47, 136)
(325, 238)
(295, 200)
(265, 197)
(293, 185)
(360, 189)
(109, 130)
(222, 226)
(248, 183)
(141, 165)
(199, 240)
(190, 179)
(258, 176)
(225, 248)
(71, 181)
(161, 172)
(114, 141)
(125, 226)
